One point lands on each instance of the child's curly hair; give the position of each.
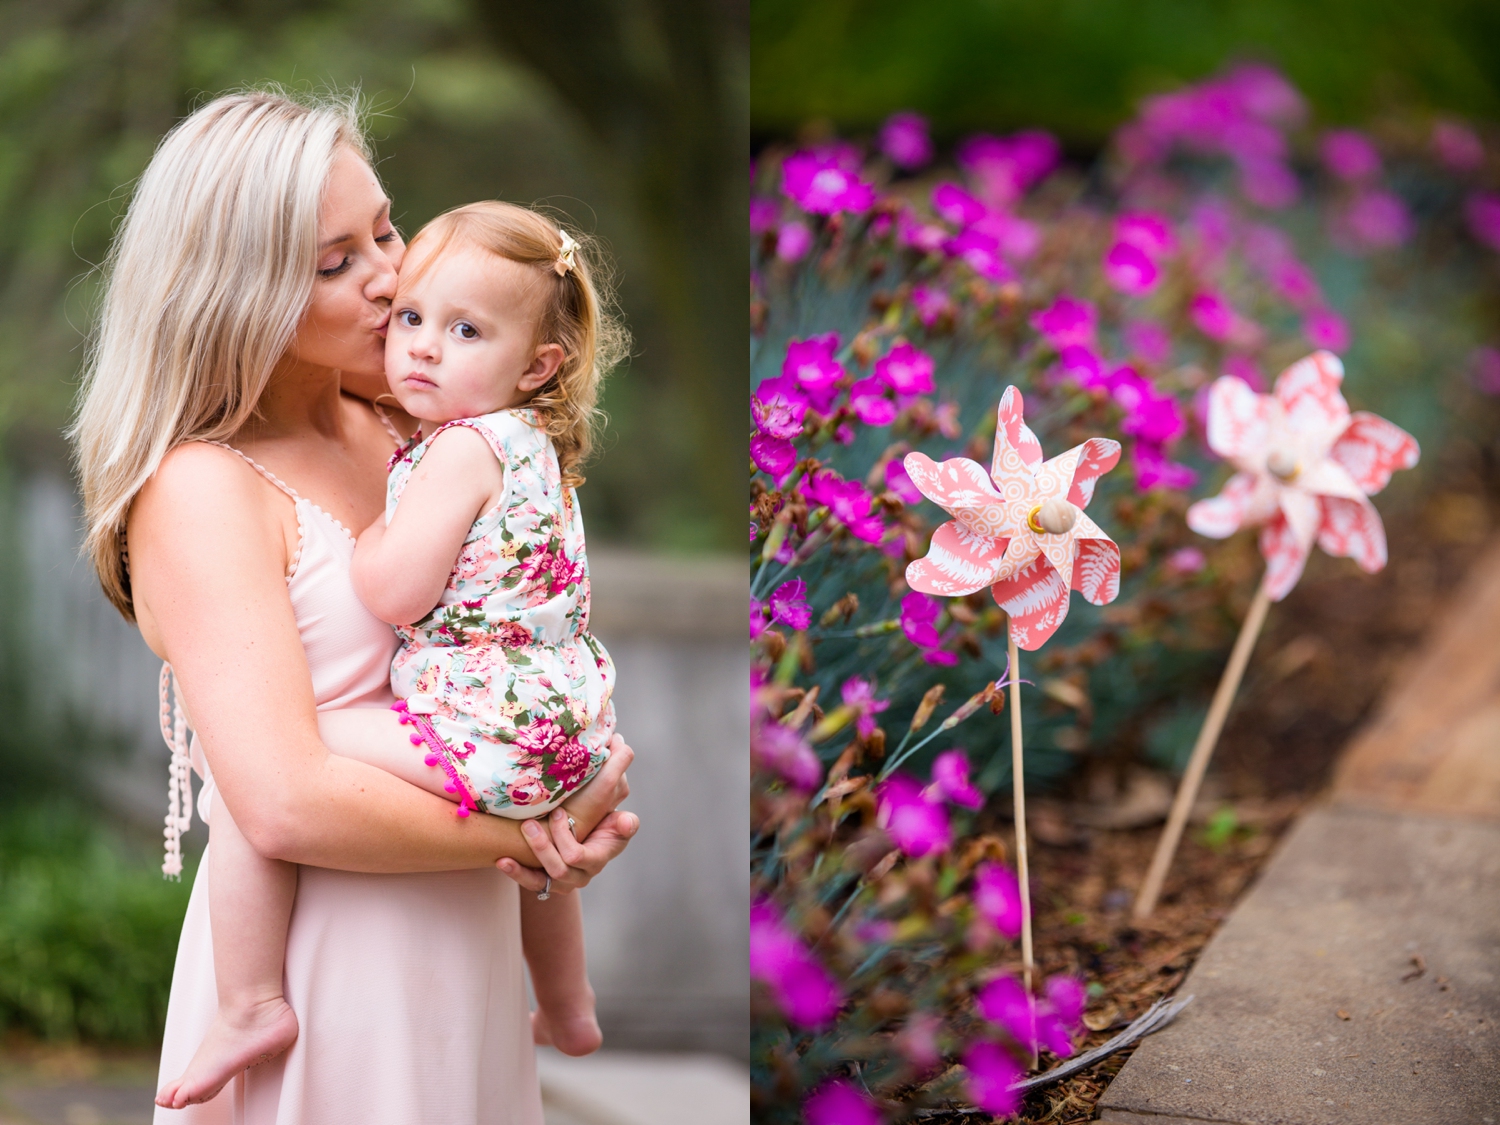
(577, 312)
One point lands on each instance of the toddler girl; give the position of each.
(497, 338)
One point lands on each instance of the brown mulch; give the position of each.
(1319, 670)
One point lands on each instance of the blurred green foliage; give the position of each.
(1078, 66)
(629, 116)
(88, 927)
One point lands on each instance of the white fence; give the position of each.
(667, 923)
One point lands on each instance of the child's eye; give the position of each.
(408, 318)
(467, 330)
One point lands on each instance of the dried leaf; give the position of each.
(928, 705)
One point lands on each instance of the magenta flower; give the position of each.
(997, 897)
(773, 455)
(783, 750)
(1082, 365)
(822, 185)
(950, 778)
(905, 141)
(981, 252)
(1129, 270)
(897, 481)
(1015, 238)
(1003, 168)
(911, 231)
(812, 365)
(918, 1041)
(868, 399)
(1150, 341)
(1147, 231)
(1004, 1003)
(1186, 560)
(1212, 315)
(1375, 220)
(1051, 1033)
(1483, 212)
(992, 1078)
(1324, 328)
(1067, 998)
(1485, 365)
(803, 990)
(848, 501)
(1349, 155)
(1150, 416)
(1269, 184)
(757, 609)
(840, 1103)
(793, 241)
(915, 824)
(932, 305)
(918, 615)
(1153, 468)
(763, 215)
(1066, 322)
(906, 371)
(789, 604)
(1457, 146)
(858, 695)
(778, 407)
(955, 205)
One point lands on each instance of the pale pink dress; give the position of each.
(409, 988)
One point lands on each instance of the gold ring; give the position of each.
(1031, 521)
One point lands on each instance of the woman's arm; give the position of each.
(208, 559)
(400, 571)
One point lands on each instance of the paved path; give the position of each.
(609, 1088)
(1358, 983)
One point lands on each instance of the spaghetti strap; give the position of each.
(261, 469)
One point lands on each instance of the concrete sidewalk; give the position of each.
(1358, 982)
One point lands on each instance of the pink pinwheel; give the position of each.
(1019, 528)
(1305, 469)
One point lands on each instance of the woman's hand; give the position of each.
(568, 863)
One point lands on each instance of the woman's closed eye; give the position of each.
(334, 271)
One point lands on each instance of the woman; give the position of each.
(223, 460)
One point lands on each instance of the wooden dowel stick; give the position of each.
(1203, 750)
(1018, 792)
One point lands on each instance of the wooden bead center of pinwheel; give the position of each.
(1054, 517)
(1283, 465)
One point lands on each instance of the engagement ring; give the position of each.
(546, 892)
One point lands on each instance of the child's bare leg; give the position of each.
(375, 736)
(250, 906)
(552, 938)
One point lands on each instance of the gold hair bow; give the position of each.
(564, 261)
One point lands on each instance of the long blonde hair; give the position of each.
(205, 283)
(577, 312)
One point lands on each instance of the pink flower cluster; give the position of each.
(807, 995)
(919, 613)
(913, 815)
(1154, 419)
(1003, 1002)
(1240, 115)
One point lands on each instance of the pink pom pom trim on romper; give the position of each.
(439, 754)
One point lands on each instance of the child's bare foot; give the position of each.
(236, 1041)
(578, 1034)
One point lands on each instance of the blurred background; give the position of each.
(1078, 68)
(629, 117)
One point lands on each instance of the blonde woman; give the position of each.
(223, 459)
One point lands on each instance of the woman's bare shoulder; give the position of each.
(197, 477)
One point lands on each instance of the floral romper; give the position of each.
(502, 681)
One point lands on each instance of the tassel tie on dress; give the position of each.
(179, 786)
